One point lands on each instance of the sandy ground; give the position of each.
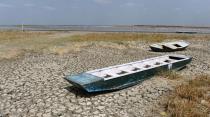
(33, 85)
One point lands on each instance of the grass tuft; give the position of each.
(170, 74)
(190, 100)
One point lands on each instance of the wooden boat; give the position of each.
(169, 46)
(125, 75)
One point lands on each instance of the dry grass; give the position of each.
(170, 74)
(15, 43)
(15, 35)
(66, 48)
(151, 37)
(190, 100)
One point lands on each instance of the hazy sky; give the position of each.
(105, 12)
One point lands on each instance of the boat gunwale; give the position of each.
(141, 61)
(160, 45)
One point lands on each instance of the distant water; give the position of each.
(107, 28)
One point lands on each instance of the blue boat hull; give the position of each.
(92, 83)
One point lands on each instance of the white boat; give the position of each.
(169, 46)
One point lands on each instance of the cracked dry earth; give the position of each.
(33, 85)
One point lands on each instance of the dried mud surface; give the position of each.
(34, 85)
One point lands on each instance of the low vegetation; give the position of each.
(150, 37)
(171, 74)
(16, 35)
(15, 43)
(191, 99)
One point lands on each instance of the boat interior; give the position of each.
(172, 45)
(133, 67)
